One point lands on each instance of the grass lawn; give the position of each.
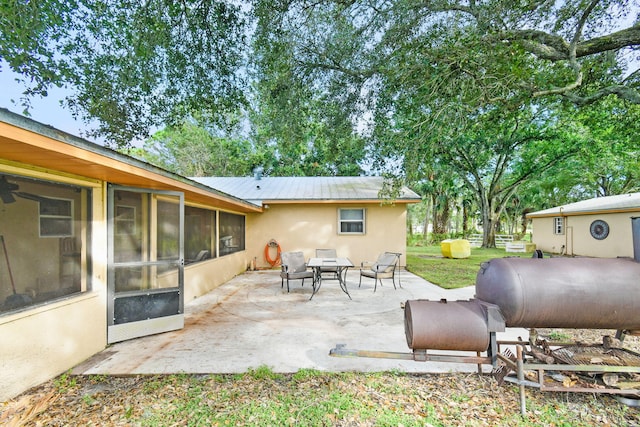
(428, 263)
(309, 398)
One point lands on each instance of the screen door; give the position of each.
(145, 268)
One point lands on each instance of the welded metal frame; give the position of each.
(522, 365)
(519, 364)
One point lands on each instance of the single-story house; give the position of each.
(599, 227)
(98, 247)
(305, 213)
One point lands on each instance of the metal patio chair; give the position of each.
(384, 268)
(331, 272)
(294, 267)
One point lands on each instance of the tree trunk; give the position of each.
(524, 221)
(441, 215)
(491, 211)
(489, 233)
(465, 219)
(488, 223)
(425, 230)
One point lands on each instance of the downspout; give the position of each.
(564, 250)
(635, 233)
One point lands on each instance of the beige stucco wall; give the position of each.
(45, 343)
(42, 342)
(577, 238)
(305, 227)
(542, 235)
(207, 275)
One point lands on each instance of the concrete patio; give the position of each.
(251, 321)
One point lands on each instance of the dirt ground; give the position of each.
(429, 399)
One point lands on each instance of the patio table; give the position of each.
(341, 265)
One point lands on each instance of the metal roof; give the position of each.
(26, 141)
(301, 189)
(619, 203)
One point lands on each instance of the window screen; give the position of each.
(351, 221)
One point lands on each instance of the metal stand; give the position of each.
(526, 359)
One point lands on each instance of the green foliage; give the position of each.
(456, 93)
(607, 164)
(88, 400)
(558, 336)
(65, 382)
(131, 65)
(157, 382)
(97, 378)
(319, 399)
(192, 150)
(263, 373)
(307, 374)
(488, 105)
(416, 240)
(31, 36)
(313, 134)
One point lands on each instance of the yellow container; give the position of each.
(455, 248)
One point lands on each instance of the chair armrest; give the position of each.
(381, 268)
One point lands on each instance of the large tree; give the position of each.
(608, 164)
(132, 65)
(499, 153)
(192, 149)
(612, 165)
(475, 85)
(136, 65)
(313, 130)
(508, 50)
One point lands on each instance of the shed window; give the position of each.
(351, 221)
(558, 225)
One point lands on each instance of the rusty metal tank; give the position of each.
(581, 293)
(446, 325)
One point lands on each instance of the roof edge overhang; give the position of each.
(28, 142)
(337, 201)
(582, 213)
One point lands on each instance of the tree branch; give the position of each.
(624, 92)
(614, 41)
(555, 48)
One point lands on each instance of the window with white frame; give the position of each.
(56, 217)
(351, 221)
(558, 225)
(125, 220)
